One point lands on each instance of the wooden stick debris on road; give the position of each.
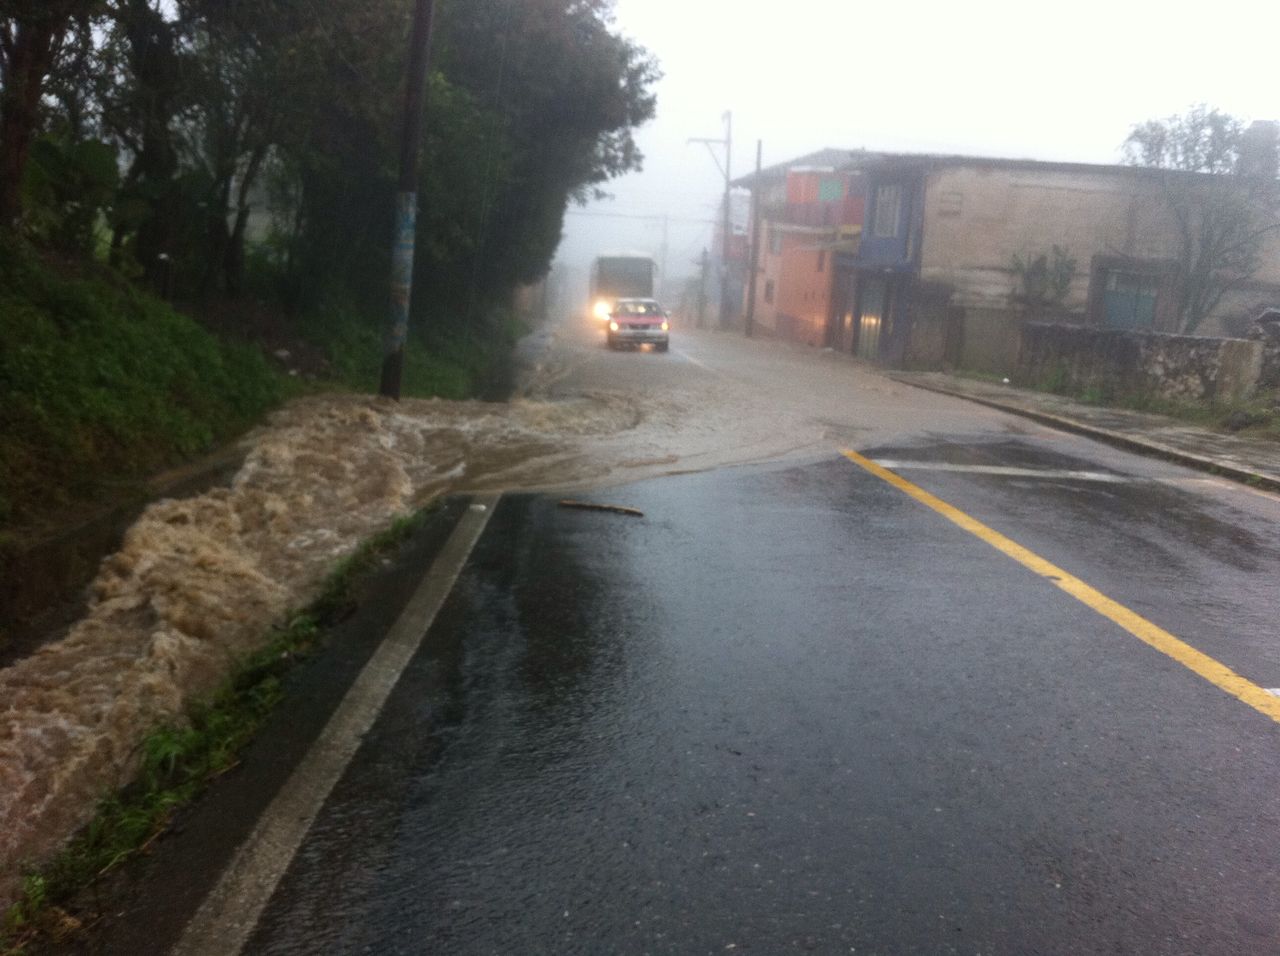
(592, 506)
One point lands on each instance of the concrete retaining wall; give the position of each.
(990, 340)
(1267, 334)
(1139, 364)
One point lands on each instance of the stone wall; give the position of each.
(1114, 363)
(990, 340)
(1267, 334)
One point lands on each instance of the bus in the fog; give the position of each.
(620, 275)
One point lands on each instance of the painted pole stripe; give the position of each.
(1211, 670)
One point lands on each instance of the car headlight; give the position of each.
(602, 309)
(665, 326)
(613, 326)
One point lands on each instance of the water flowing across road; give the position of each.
(198, 582)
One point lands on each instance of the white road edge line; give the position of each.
(1004, 470)
(230, 912)
(689, 358)
(1273, 691)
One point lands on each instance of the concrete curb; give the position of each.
(1141, 446)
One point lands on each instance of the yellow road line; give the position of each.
(1211, 670)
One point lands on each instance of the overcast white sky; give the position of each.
(1062, 81)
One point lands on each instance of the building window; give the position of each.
(1129, 300)
(950, 203)
(775, 242)
(888, 211)
(768, 291)
(822, 261)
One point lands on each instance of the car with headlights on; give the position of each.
(639, 322)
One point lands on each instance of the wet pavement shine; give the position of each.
(791, 710)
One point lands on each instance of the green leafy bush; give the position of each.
(450, 364)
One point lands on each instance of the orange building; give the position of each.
(809, 213)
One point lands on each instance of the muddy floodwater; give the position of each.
(198, 582)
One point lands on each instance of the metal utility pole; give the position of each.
(727, 143)
(406, 201)
(750, 322)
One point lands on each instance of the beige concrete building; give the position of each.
(937, 282)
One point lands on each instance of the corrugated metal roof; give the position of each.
(847, 160)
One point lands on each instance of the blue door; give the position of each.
(1129, 301)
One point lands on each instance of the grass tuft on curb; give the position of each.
(181, 759)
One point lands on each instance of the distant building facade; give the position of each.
(810, 212)
(936, 277)
(926, 261)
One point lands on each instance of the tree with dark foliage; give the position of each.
(32, 33)
(200, 122)
(1219, 183)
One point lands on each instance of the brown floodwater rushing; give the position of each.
(198, 582)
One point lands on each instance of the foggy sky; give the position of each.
(1063, 81)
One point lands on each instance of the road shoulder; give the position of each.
(1248, 461)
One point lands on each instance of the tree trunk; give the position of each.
(217, 232)
(154, 62)
(233, 261)
(28, 60)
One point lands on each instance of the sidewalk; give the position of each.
(1250, 460)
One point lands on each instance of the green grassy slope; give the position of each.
(99, 381)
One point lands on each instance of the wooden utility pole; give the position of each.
(702, 289)
(754, 267)
(728, 224)
(406, 201)
(662, 263)
(725, 224)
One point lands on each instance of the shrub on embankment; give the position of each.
(456, 362)
(103, 384)
(100, 382)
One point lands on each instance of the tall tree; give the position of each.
(31, 34)
(1221, 190)
(567, 93)
(156, 93)
(219, 110)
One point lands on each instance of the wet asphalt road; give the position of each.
(791, 709)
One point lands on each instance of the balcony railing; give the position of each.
(817, 215)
